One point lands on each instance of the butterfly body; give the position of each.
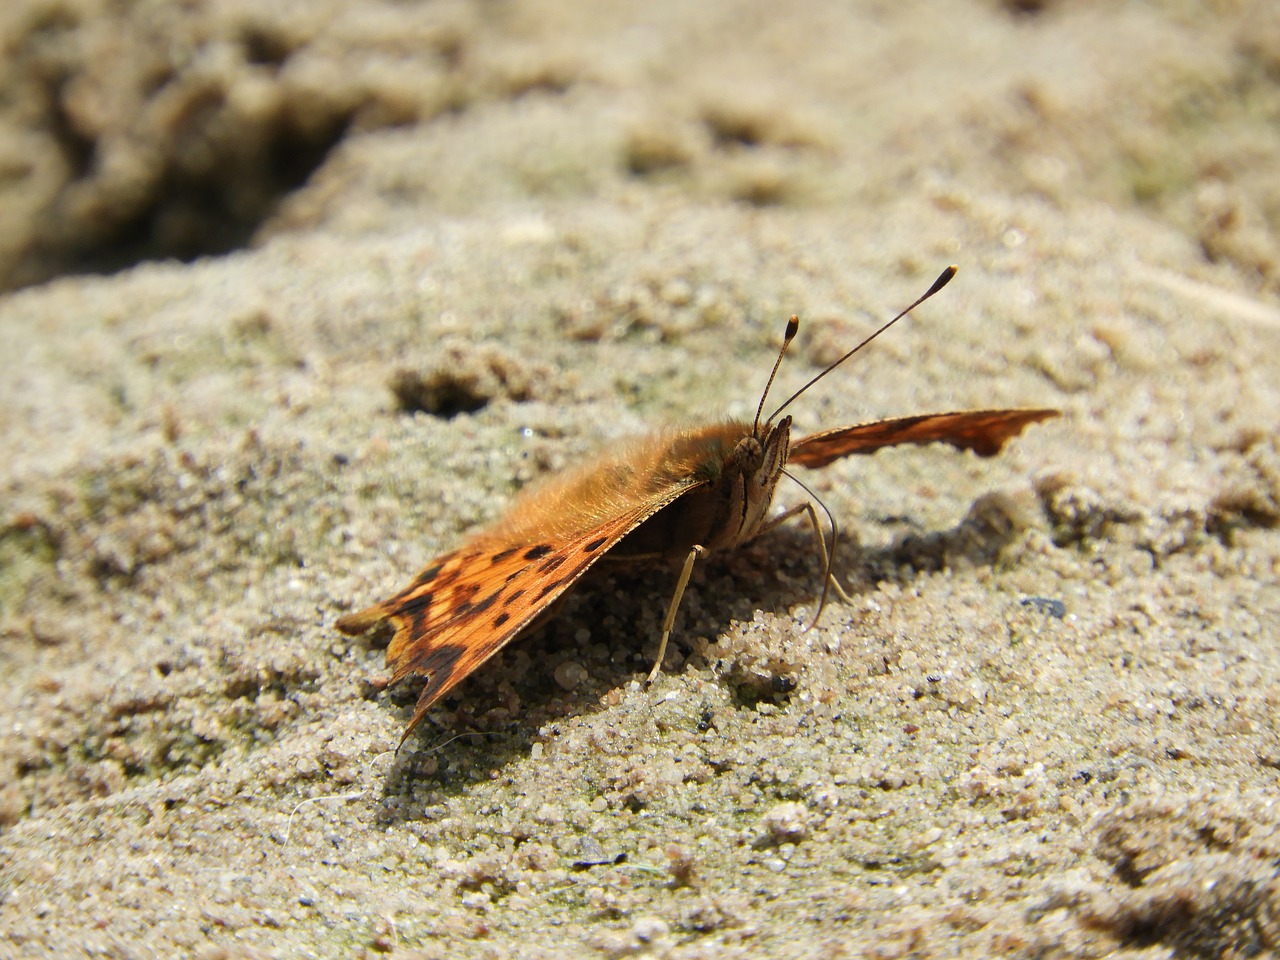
(720, 469)
(729, 477)
(677, 494)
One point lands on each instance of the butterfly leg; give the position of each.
(783, 517)
(827, 559)
(807, 508)
(685, 572)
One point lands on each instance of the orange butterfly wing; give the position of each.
(982, 431)
(467, 605)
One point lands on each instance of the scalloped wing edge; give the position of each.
(984, 432)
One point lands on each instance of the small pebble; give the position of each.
(649, 929)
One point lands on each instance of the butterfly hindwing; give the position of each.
(467, 605)
(982, 431)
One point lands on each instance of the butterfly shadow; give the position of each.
(992, 524)
(604, 635)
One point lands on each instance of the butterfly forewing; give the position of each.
(982, 431)
(467, 605)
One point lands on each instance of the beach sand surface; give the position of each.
(297, 296)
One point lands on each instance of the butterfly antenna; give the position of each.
(829, 554)
(793, 326)
(943, 279)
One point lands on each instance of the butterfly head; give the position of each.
(763, 453)
(773, 457)
(751, 475)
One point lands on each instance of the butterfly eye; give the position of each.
(749, 455)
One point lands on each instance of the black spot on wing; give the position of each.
(500, 619)
(463, 599)
(414, 590)
(445, 577)
(427, 574)
(413, 621)
(413, 605)
(438, 663)
(549, 587)
(551, 564)
(538, 552)
(594, 545)
(503, 554)
(512, 597)
(486, 603)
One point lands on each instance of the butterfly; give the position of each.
(676, 495)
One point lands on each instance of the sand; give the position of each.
(1046, 724)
